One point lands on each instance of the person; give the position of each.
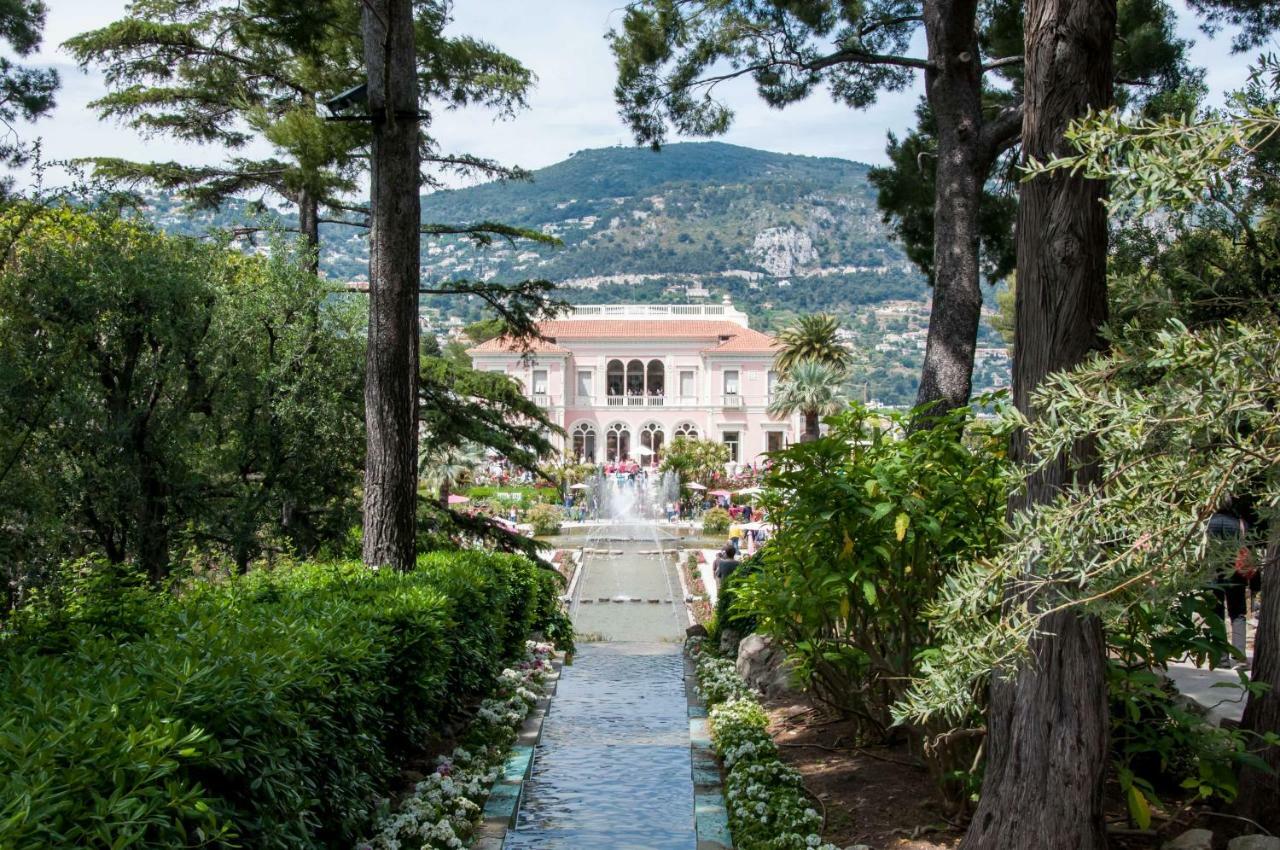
(1231, 572)
(726, 562)
(746, 513)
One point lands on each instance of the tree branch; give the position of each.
(1002, 132)
(1001, 63)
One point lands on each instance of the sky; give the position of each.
(571, 109)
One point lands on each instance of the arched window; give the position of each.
(654, 378)
(651, 441)
(614, 376)
(635, 377)
(617, 442)
(584, 442)
(687, 429)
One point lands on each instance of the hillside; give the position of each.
(780, 234)
(635, 223)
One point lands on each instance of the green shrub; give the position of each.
(875, 518)
(268, 711)
(716, 521)
(545, 519)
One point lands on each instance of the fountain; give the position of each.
(613, 767)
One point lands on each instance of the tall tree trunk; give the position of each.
(1047, 728)
(391, 374)
(309, 226)
(953, 85)
(811, 429)
(1259, 798)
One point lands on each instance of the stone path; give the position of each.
(613, 769)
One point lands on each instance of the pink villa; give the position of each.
(624, 380)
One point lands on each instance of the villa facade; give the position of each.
(624, 380)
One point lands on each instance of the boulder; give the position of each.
(696, 630)
(729, 639)
(763, 665)
(1192, 839)
(1254, 842)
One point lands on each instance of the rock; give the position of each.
(781, 251)
(696, 630)
(858, 847)
(729, 639)
(764, 665)
(1192, 839)
(1254, 842)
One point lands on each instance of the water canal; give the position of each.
(613, 767)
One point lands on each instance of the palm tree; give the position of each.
(812, 338)
(442, 468)
(814, 389)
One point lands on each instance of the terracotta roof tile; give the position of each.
(501, 345)
(729, 336)
(748, 341)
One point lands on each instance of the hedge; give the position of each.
(268, 711)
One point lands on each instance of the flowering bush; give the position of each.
(443, 810)
(768, 808)
(718, 680)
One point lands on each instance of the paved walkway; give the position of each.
(1218, 691)
(613, 769)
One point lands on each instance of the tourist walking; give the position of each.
(726, 562)
(1234, 567)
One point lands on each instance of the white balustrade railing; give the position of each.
(643, 311)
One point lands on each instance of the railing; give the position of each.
(731, 401)
(542, 399)
(645, 311)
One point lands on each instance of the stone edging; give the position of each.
(503, 804)
(711, 818)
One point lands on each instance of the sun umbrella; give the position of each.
(458, 500)
(644, 452)
(696, 486)
(751, 491)
(579, 486)
(720, 493)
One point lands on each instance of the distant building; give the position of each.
(624, 380)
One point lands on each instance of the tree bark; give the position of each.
(953, 86)
(811, 428)
(309, 226)
(391, 373)
(1259, 797)
(1047, 742)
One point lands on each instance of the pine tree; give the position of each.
(231, 74)
(25, 93)
(672, 55)
(1047, 728)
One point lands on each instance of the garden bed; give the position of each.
(872, 796)
(700, 605)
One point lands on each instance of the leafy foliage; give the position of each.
(545, 519)
(160, 393)
(871, 524)
(1182, 409)
(812, 389)
(26, 93)
(695, 460)
(267, 710)
(814, 338)
(716, 521)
